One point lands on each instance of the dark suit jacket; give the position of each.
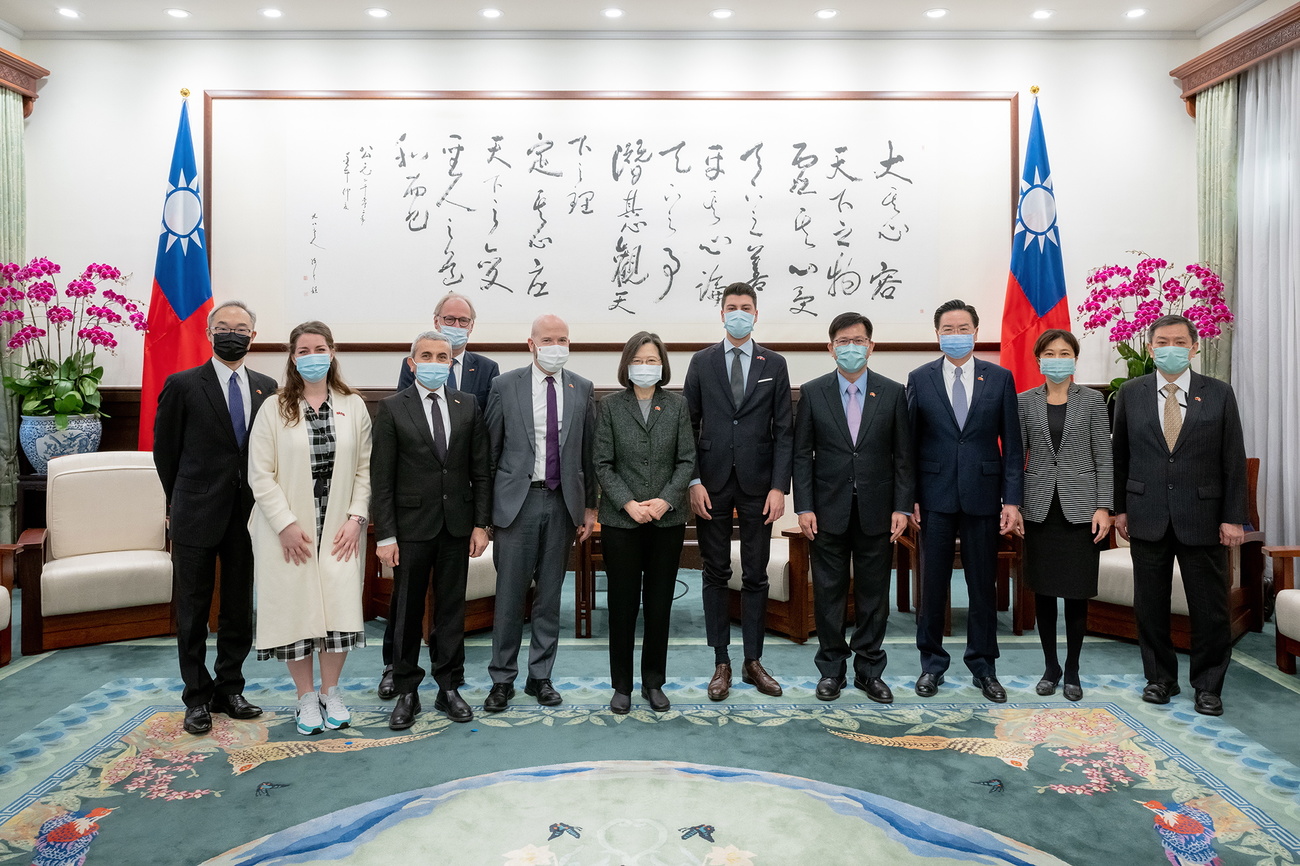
(757, 436)
(414, 495)
(477, 373)
(827, 465)
(203, 470)
(1080, 472)
(639, 459)
(975, 469)
(1198, 485)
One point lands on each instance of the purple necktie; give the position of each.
(854, 413)
(235, 400)
(552, 437)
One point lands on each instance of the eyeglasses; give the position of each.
(456, 321)
(243, 332)
(856, 341)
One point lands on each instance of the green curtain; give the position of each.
(1216, 206)
(13, 243)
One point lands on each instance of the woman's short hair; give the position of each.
(1050, 336)
(633, 345)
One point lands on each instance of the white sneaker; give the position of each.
(308, 714)
(336, 714)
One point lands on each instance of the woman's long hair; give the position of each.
(291, 393)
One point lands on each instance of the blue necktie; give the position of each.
(451, 377)
(959, 404)
(236, 402)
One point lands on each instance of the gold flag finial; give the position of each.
(1034, 90)
(185, 92)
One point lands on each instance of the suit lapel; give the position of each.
(941, 390)
(524, 396)
(723, 370)
(756, 366)
(830, 396)
(468, 366)
(212, 387)
(975, 384)
(1194, 410)
(415, 414)
(1073, 416)
(569, 395)
(1038, 415)
(1152, 409)
(869, 404)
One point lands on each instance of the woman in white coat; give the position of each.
(309, 468)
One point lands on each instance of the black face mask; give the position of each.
(231, 347)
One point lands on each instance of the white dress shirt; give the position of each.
(539, 417)
(223, 379)
(967, 377)
(1184, 383)
(428, 418)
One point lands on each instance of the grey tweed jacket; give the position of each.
(1081, 471)
(640, 459)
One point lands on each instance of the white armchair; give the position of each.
(480, 589)
(789, 579)
(8, 554)
(1286, 611)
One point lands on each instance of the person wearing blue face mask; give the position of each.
(969, 485)
(309, 469)
(432, 505)
(854, 486)
(1180, 494)
(1069, 491)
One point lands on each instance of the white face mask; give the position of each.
(645, 375)
(552, 358)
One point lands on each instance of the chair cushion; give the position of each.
(81, 485)
(1287, 613)
(6, 608)
(106, 581)
(482, 581)
(1115, 581)
(778, 570)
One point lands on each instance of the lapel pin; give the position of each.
(980, 378)
(760, 357)
(1197, 399)
(658, 408)
(341, 414)
(871, 393)
(259, 390)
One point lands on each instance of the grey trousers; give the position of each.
(534, 547)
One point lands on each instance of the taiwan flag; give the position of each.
(1036, 299)
(182, 289)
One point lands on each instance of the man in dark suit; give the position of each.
(854, 488)
(969, 483)
(542, 422)
(431, 500)
(1180, 493)
(200, 447)
(738, 394)
(471, 373)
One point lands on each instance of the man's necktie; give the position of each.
(552, 436)
(439, 432)
(737, 378)
(1173, 416)
(451, 377)
(854, 413)
(235, 398)
(959, 404)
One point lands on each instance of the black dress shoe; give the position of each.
(235, 706)
(453, 705)
(1159, 693)
(387, 688)
(404, 711)
(1208, 703)
(545, 693)
(197, 719)
(1047, 685)
(657, 700)
(875, 688)
(1072, 692)
(927, 684)
(992, 689)
(621, 703)
(829, 688)
(499, 698)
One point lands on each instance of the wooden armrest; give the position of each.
(33, 537)
(792, 533)
(8, 553)
(1282, 552)
(1255, 536)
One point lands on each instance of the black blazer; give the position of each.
(477, 373)
(413, 495)
(975, 469)
(639, 459)
(827, 466)
(1080, 472)
(1195, 487)
(756, 437)
(204, 471)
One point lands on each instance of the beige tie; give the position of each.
(1173, 417)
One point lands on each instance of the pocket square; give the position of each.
(761, 381)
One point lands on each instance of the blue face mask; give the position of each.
(738, 323)
(432, 375)
(313, 367)
(456, 336)
(645, 375)
(956, 345)
(851, 358)
(1056, 369)
(1173, 359)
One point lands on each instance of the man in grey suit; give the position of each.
(541, 420)
(1180, 493)
(853, 491)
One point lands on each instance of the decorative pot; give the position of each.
(42, 440)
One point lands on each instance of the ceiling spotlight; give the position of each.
(827, 13)
(612, 13)
(1043, 14)
(490, 13)
(1135, 13)
(935, 13)
(272, 13)
(177, 13)
(69, 13)
(720, 14)
(376, 12)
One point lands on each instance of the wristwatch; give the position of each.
(358, 518)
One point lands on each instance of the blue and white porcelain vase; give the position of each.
(42, 440)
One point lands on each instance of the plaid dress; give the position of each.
(320, 446)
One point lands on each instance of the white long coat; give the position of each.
(295, 602)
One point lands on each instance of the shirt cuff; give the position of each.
(694, 481)
(386, 541)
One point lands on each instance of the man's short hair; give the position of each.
(848, 320)
(740, 289)
(1164, 321)
(955, 304)
(212, 316)
(428, 335)
(437, 309)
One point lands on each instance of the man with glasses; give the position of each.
(200, 448)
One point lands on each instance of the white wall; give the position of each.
(98, 145)
(1240, 24)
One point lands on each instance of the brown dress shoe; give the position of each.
(760, 679)
(720, 685)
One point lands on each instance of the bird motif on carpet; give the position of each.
(1186, 833)
(65, 839)
(250, 757)
(1012, 754)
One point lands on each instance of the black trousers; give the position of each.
(641, 565)
(870, 556)
(979, 555)
(1204, 569)
(715, 551)
(445, 561)
(194, 576)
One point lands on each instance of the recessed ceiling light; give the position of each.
(1043, 14)
(612, 13)
(935, 13)
(721, 13)
(1135, 13)
(490, 13)
(376, 12)
(69, 13)
(827, 13)
(272, 13)
(177, 13)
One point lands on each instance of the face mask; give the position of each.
(552, 358)
(456, 336)
(313, 367)
(432, 375)
(738, 323)
(851, 358)
(231, 346)
(1056, 369)
(956, 345)
(1173, 359)
(645, 375)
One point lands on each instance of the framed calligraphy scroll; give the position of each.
(619, 211)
